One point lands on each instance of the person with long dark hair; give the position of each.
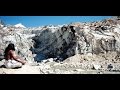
(12, 60)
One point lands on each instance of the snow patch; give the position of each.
(19, 25)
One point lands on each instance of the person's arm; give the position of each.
(15, 57)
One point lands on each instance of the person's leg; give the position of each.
(16, 64)
(12, 64)
(8, 64)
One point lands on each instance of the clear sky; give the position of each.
(34, 21)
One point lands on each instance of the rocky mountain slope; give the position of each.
(75, 47)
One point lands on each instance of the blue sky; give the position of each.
(34, 21)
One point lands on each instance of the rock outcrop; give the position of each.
(78, 38)
(21, 41)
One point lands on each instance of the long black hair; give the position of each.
(11, 46)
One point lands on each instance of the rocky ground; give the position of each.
(78, 64)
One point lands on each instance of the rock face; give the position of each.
(79, 38)
(21, 41)
(63, 41)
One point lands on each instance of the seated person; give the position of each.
(11, 59)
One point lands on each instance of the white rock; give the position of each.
(51, 60)
(79, 70)
(44, 61)
(4, 28)
(96, 66)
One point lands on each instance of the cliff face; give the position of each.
(63, 41)
(79, 38)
